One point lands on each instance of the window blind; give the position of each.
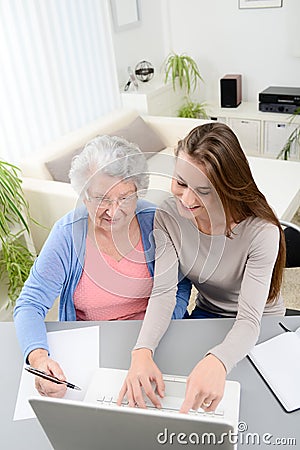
(57, 71)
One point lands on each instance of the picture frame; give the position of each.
(126, 14)
(247, 4)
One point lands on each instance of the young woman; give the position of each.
(219, 230)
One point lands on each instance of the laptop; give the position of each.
(98, 423)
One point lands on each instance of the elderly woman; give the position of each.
(99, 258)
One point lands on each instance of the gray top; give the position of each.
(232, 276)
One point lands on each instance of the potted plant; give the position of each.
(193, 110)
(15, 258)
(293, 139)
(184, 72)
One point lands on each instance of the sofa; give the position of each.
(50, 198)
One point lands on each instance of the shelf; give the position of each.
(153, 98)
(260, 133)
(249, 110)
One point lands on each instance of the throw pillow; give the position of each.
(59, 168)
(139, 133)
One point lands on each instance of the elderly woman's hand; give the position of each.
(205, 385)
(39, 359)
(143, 375)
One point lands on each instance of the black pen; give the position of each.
(46, 376)
(284, 327)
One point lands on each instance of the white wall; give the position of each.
(258, 43)
(144, 42)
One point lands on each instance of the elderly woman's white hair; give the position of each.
(113, 156)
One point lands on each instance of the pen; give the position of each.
(46, 376)
(283, 326)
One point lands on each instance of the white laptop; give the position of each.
(98, 423)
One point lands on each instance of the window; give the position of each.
(57, 71)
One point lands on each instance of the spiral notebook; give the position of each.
(278, 362)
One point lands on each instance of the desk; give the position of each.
(279, 181)
(259, 408)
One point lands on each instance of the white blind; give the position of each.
(57, 70)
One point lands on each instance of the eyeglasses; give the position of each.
(105, 202)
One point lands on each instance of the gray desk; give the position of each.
(183, 345)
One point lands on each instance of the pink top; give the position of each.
(110, 289)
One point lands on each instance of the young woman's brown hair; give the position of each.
(216, 147)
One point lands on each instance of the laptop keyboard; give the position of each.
(169, 404)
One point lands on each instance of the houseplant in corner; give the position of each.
(184, 73)
(293, 139)
(15, 258)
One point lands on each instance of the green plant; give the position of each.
(193, 110)
(293, 139)
(183, 70)
(15, 258)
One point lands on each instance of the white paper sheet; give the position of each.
(77, 352)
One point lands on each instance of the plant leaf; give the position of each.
(185, 69)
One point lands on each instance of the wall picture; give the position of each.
(245, 4)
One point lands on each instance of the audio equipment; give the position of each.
(285, 108)
(231, 90)
(278, 94)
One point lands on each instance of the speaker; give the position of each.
(231, 90)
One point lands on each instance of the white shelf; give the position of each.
(153, 98)
(260, 133)
(249, 110)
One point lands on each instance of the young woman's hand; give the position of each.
(39, 359)
(143, 376)
(205, 385)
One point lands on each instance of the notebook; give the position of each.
(98, 423)
(278, 362)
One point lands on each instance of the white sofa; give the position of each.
(49, 199)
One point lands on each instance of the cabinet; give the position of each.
(260, 133)
(276, 135)
(153, 98)
(248, 132)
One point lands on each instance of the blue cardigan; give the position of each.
(57, 271)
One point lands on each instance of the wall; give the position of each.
(258, 43)
(144, 42)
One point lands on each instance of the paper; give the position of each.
(278, 361)
(77, 352)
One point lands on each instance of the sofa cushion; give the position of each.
(142, 135)
(137, 132)
(59, 168)
(161, 168)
